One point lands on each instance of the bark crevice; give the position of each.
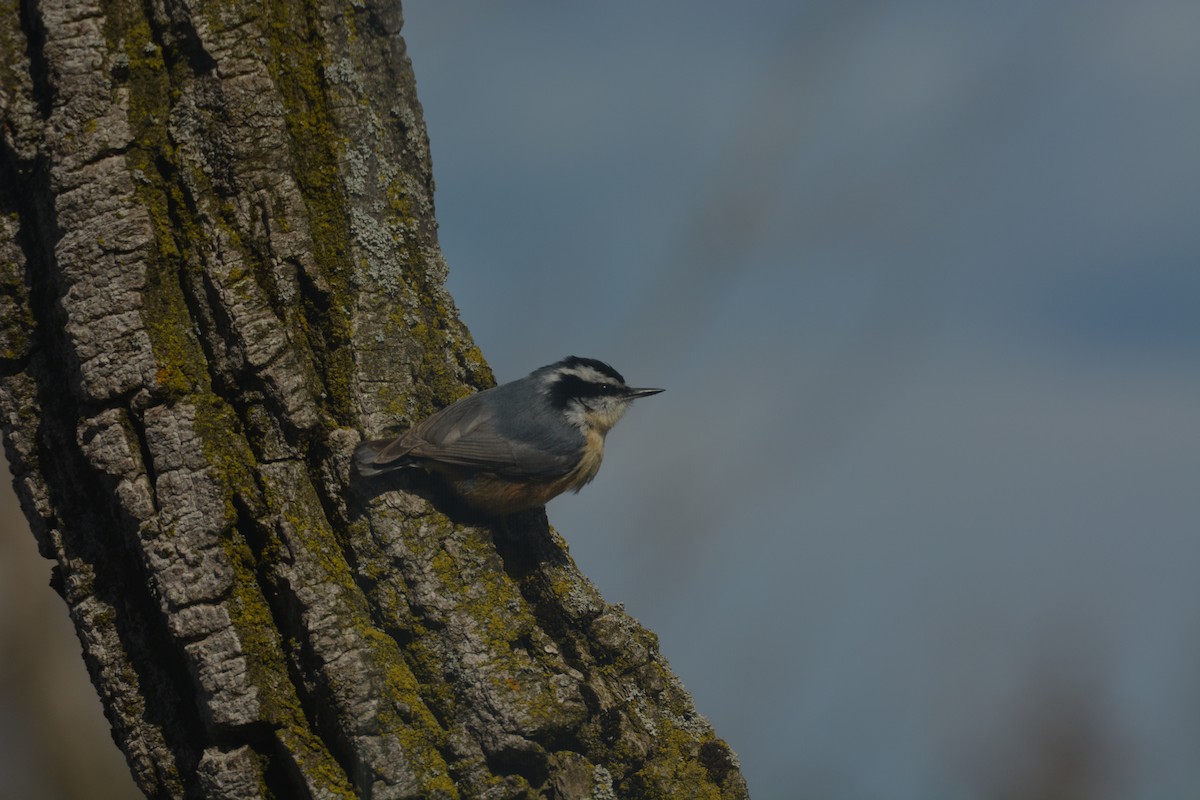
(31, 26)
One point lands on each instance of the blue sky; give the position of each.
(917, 514)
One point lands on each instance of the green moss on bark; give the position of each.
(267, 668)
(181, 364)
(297, 66)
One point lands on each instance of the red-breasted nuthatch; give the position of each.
(515, 446)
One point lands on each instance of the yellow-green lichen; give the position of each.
(296, 65)
(315, 761)
(181, 369)
(402, 713)
(447, 367)
(488, 599)
(255, 626)
(267, 669)
(16, 326)
(228, 453)
(405, 715)
(469, 570)
(14, 65)
(291, 498)
(426, 663)
(673, 771)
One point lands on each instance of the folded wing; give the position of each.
(465, 436)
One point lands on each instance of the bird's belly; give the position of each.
(497, 495)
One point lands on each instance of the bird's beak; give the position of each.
(632, 393)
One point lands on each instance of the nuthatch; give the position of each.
(515, 446)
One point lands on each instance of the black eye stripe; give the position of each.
(572, 387)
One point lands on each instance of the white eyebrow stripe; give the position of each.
(589, 374)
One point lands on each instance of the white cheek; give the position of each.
(577, 415)
(608, 414)
(601, 416)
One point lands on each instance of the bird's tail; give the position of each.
(366, 458)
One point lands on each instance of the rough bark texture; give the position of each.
(218, 267)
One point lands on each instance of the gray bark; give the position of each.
(218, 268)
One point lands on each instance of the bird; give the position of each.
(515, 446)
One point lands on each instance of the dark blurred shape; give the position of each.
(1060, 747)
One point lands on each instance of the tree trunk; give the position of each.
(219, 265)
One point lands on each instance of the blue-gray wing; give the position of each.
(469, 435)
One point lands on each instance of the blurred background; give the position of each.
(919, 513)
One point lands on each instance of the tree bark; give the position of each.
(218, 267)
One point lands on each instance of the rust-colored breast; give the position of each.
(499, 496)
